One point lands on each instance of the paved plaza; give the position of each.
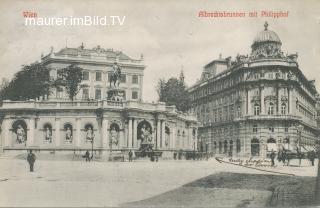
(81, 184)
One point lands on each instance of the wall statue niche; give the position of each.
(20, 129)
(47, 133)
(114, 135)
(89, 133)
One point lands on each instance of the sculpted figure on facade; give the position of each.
(116, 75)
(48, 134)
(68, 135)
(89, 134)
(21, 135)
(114, 137)
(146, 136)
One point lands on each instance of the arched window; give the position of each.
(256, 109)
(271, 109)
(225, 147)
(255, 147)
(230, 148)
(283, 109)
(238, 144)
(238, 111)
(286, 143)
(271, 144)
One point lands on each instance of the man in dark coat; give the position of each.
(312, 156)
(31, 158)
(130, 156)
(284, 156)
(87, 156)
(272, 156)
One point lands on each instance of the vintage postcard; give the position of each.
(151, 103)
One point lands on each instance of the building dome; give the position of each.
(266, 36)
(267, 44)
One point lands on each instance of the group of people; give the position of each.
(285, 156)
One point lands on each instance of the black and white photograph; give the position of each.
(157, 104)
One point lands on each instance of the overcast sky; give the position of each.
(169, 34)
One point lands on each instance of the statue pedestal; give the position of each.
(116, 95)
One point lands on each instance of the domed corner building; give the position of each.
(256, 103)
(105, 118)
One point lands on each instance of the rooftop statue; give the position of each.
(116, 75)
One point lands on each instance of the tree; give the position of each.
(174, 92)
(70, 78)
(31, 82)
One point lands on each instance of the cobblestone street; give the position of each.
(66, 183)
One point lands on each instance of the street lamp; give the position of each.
(299, 131)
(92, 140)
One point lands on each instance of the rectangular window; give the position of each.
(135, 79)
(134, 95)
(123, 78)
(109, 76)
(85, 75)
(98, 76)
(85, 93)
(98, 94)
(59, 93)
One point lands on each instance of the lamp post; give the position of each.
(299, 131)
(91, 140)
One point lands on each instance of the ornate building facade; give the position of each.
(94, 120)
(256, 103)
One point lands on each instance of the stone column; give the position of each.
(6, 133)
(135, 140)
(130, 133)
(279, 101)
(249, 110)
(196, 140)
(104, 134)
(78, 132)
(173, 138)
(247, 102)
(30, 133)
(263, 110)
(290, 103)
(158, 134)
(57, 132)
(163, 134)
(190, 139)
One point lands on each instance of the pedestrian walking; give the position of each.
(284, 156)
(312, 156)
(31, 158)
(130, 156)
(279, 156)
(87, 156)
(272, 156)
(288, 157)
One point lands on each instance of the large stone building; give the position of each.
(56, 124)
(256, 103)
